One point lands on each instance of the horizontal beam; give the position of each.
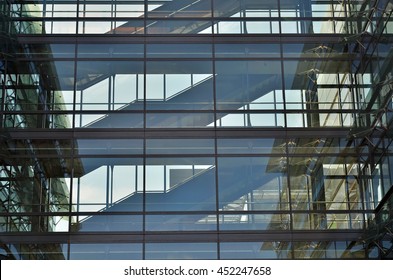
(156, 237)
(114, 133)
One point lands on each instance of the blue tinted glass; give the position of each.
(248, 146)
(110, 223)
(181, 251)
(179, 146)
(109, 251)
(255, 250)
(191, 222)
(110, 50)
(109, 146)
(201, 8)
(180, 184)
(238, 83)
(179, 50)
(251, 183)
(178, 120)
(247, 50)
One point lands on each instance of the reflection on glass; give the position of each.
(180, 146)
(183, 9)
(181, 251)
(251, 183)
(110, 50)
(111, 120)
(241, 83)
(248, 146)
(255, 250)
(179, 85)
(154, 129)
(108, 184)
(191, 222)
(166, 26)
(180, 184)
(245, 8)
(197, 50)
(109, 146)
(254, 221)
(30, 251)
(178, 120)
(247, 50)
(239, 119)
(264, 26)
(109, 223)
(105, 251)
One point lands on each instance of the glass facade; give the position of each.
(196, 129)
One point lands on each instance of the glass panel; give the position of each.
(48, 51)
(255, 250)
(179, 146)
(236, 50)
(180, 223)
(314, 250)
(301, 221)
(180, 184)
(108, 184)
(109, 146)
(313, 95)
(112, 222)
(196, 50)
(171, 8)
(102, 50)
(320, 145)
(254, 221)
(166, 26)
(128, 26)
(96, 9)
(36, 223)
(38, 120)
(323, 183)
(239, 119)
(242, 83)
(106, 251)
(128, 92)
(251, 183)
(338, 221)
(127, 8)
(111, 120)
(314, 50)
(179, 85)
(91, 72)
(47, 147)
(59, 26)
(66, 9)
(233, 26)
(181, 251)
(245, 8)
(178, 120)
(61, 75)
(249, 146)
(35, 251)
(110, 26)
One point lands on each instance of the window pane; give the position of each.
(181, 251)
(251, 183)
(180, 184)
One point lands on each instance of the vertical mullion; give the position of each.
(144, 130)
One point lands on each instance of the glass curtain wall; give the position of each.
(210, 129)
